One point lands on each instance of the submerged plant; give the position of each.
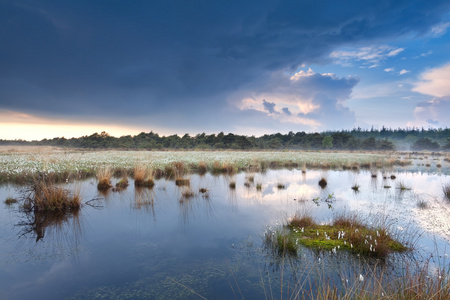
(355, 187)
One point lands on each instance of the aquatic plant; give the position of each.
(281, 186)
(323, 182)
(402, 186)
(355, 187)
(258, 187)
(422, 204)
(45, 196)
(347, 232)
(232, 185)
(104, 178)
(143, 177)
(187, 193)
(10, 201)
(446, 190)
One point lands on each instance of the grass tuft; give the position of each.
(104, 178)
(143, 177)
(47, 196)
(281, 186)
(323, 182)
(10, 201)
(403, 187)
(446, 190)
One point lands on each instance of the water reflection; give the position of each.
(36, 224)
(216, 223)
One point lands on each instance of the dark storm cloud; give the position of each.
(146, 57)
(286, 111)
(269, 106)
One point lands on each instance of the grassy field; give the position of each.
(17, 164)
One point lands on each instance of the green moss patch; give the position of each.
(344, 234)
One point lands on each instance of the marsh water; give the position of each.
(158, 244)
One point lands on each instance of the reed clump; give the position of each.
(323, 183)
(47, 196)
(104, 178)
(10, 201)
(143, 177)
(446, 190)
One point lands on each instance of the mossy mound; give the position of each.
(344, 234)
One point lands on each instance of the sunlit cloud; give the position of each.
(372, 56)
(17, 125)
(440, 29)
(434, 82)
(307, 98)
(403, 72)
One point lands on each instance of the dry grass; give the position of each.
(323, 182)
(446, 190)
(143, 177)
(10, 201)
(104, 178)
(49, 197)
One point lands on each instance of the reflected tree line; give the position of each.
(355, 139)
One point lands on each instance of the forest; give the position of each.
(356, 139)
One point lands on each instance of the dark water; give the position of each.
(155, 244)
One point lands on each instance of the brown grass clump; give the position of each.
(187, 193)
(323, 182)
(300, 222)
(224, 168)
(281, 186)
(202, 167)
(446, 190)
(104, 178)
(182, 182)
(143, 177)
(49, 197)
(10, 201)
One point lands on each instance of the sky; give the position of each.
(72, 68)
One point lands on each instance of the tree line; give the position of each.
(355, 139)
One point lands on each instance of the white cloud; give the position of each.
(395, 52)
(389, 69)
(440, 29)
(434, 82)
(372, 56)
(307, 98)
(402, 72)
(432, 113)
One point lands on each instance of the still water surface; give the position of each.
(155, 244)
